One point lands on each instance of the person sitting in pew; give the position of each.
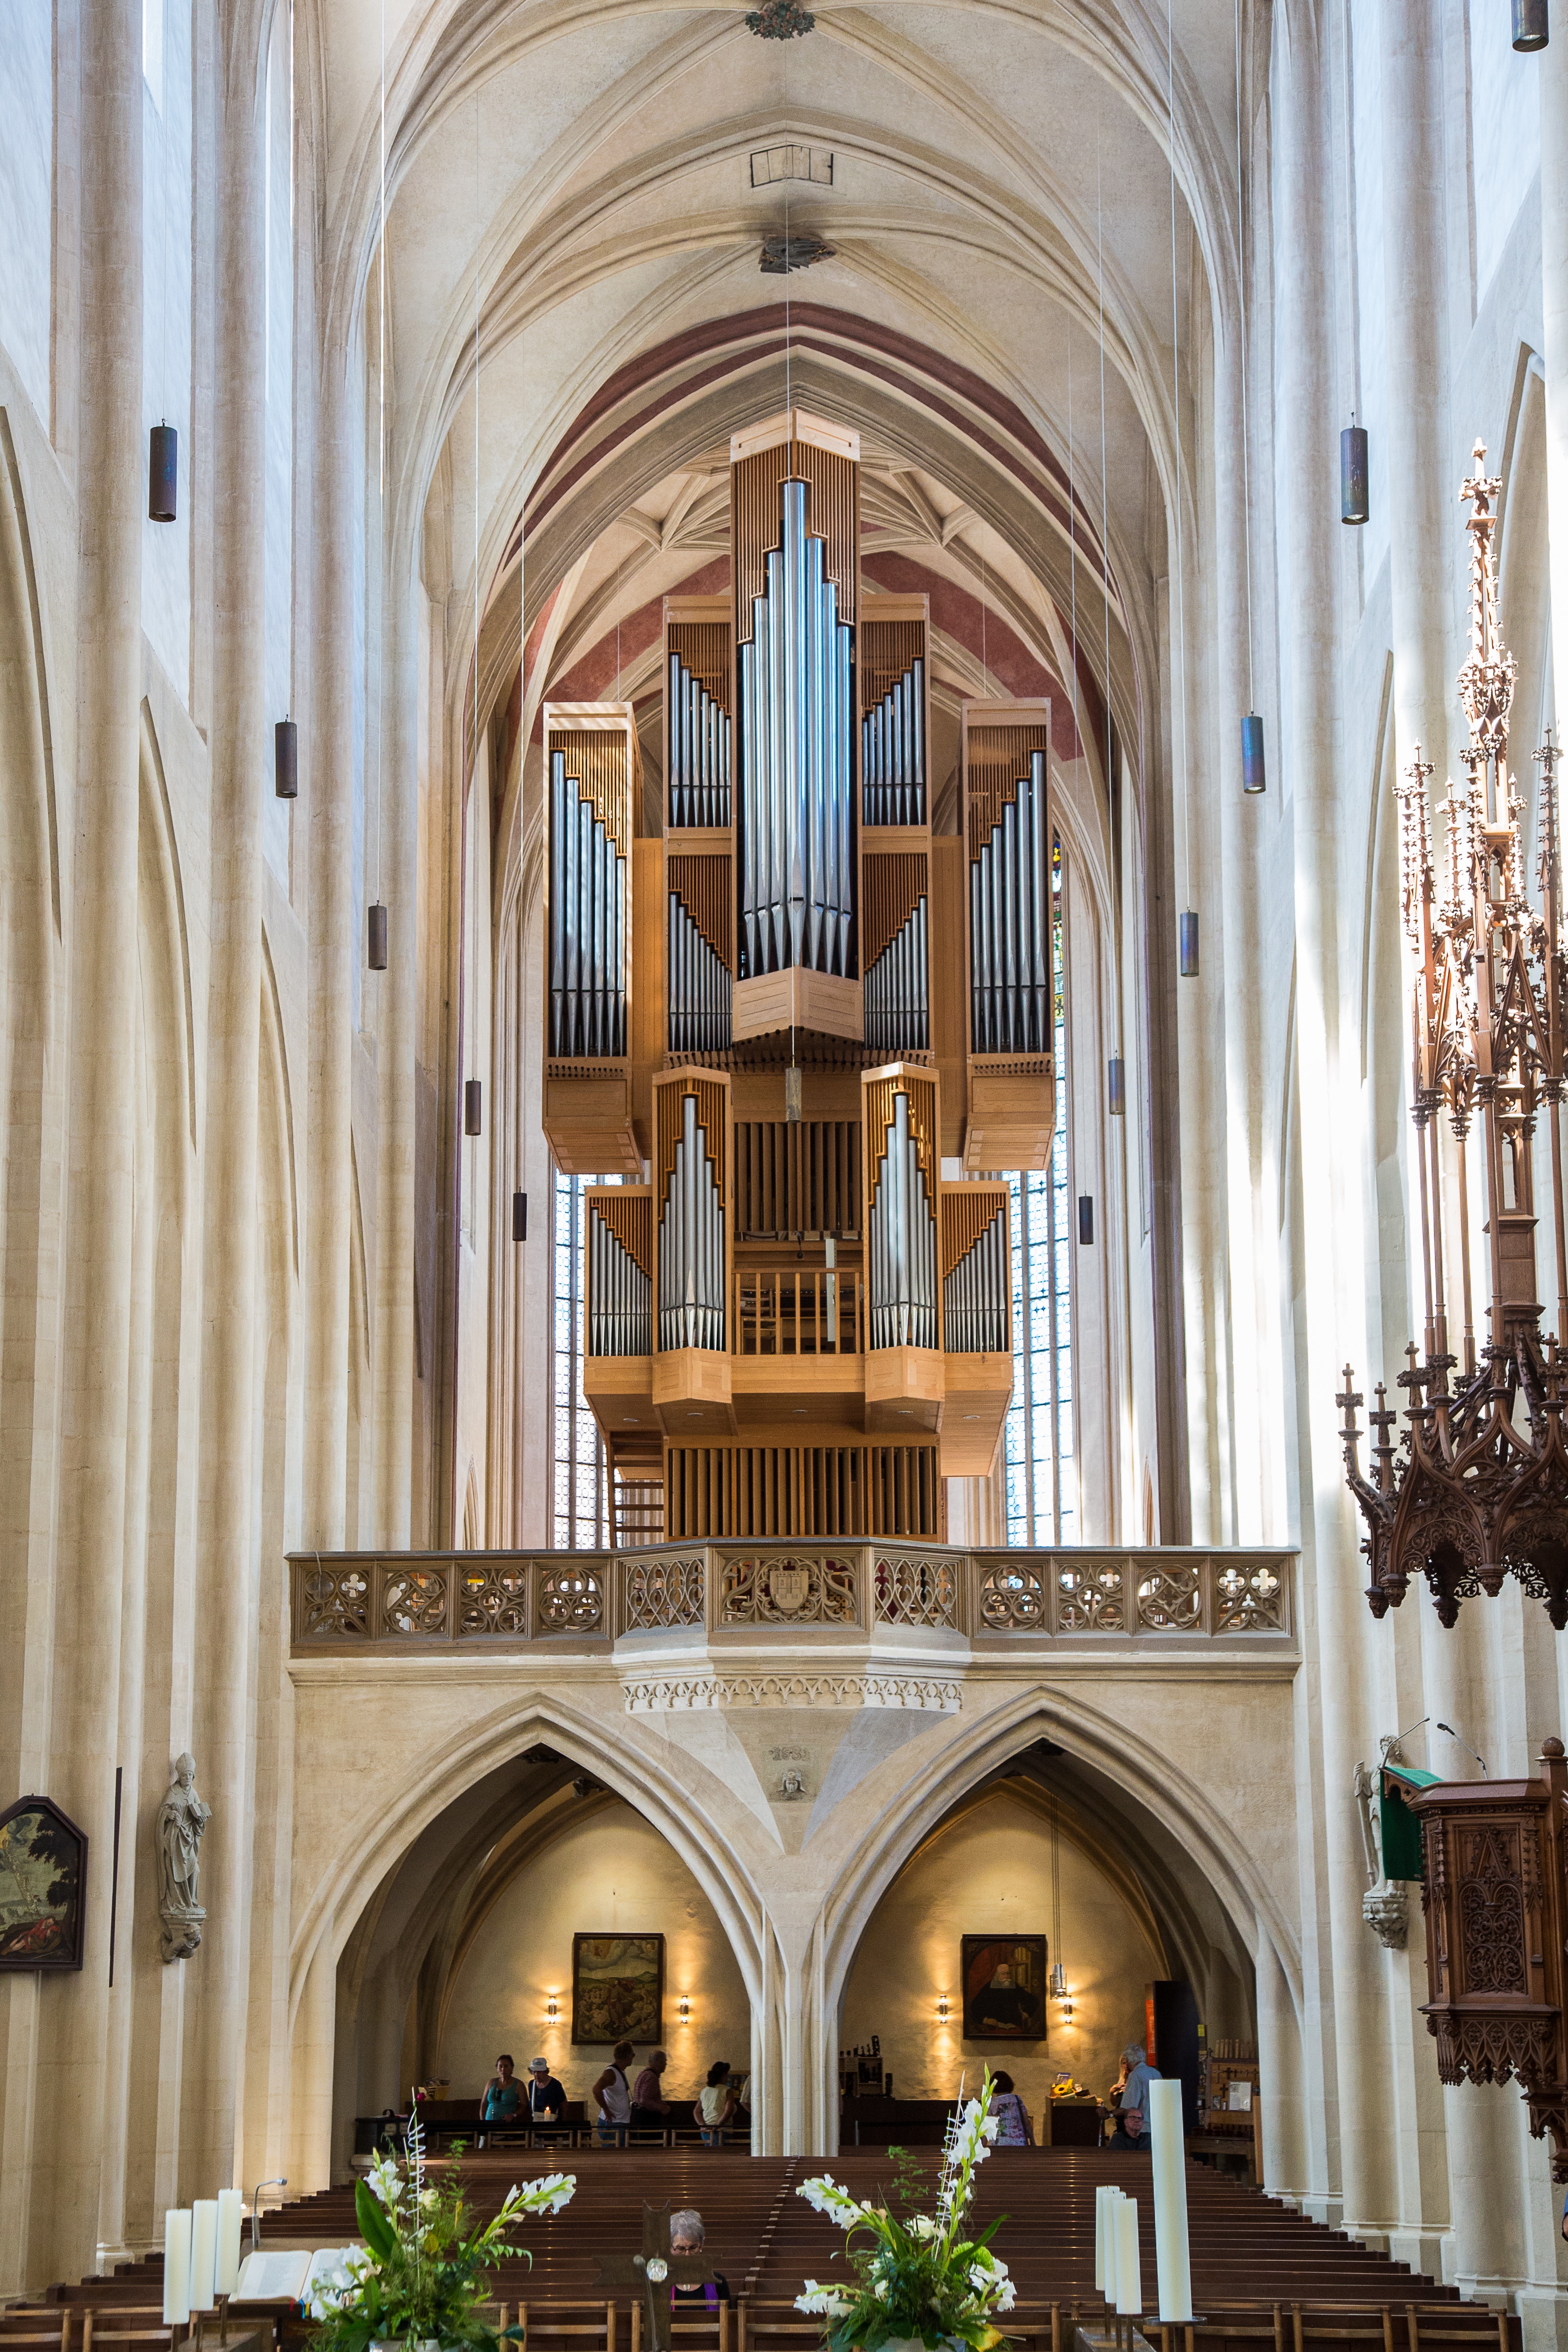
(686, 2236)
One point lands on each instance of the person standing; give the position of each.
(650, 2108)
(1011, 2113)
(546, 2096)
(715, 2104)
(1131, 2094)
(502, 2096)
(613, 2095)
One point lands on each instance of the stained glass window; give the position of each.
(578, 1516)
(1041, 1437)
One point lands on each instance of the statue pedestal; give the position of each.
(182, 1925)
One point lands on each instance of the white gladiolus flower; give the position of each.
(823, 2300)
(385, 2181)
(920, 2225)
(829, 2198)
(1008, 2296)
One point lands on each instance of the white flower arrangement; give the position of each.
(920, 2276)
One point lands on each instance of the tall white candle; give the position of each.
(1172, 2258)
(204, 2247)
(176, 2267)
(1105, 2198)
(230, 2217)
(1129, 2264)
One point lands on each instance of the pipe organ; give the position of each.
(778, 1015)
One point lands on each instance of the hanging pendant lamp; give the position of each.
(376, 957)
(473, 1107)
(1118, 1083)
(1254, 777)
(163, 475)
(1354, 504)
(519, 1216)
(1085, 1220)
(1189, 945)
(1530, 31)
(286, 760)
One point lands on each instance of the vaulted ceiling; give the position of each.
(576, 317)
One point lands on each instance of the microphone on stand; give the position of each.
(1468, 1749)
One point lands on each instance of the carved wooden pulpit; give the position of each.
(652, 2273)
(1496, 1900)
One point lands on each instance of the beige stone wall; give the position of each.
(613, 1875)
(988, 1872)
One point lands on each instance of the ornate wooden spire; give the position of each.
(1477, 1489)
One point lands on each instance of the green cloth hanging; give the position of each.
(1400, 1828)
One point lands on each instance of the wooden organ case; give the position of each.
(772, 1023)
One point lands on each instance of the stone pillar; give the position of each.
(397, 1002)
(1334, 1875)
(99, 898)
(313, 2043)
(1254, 1402)
(226, 1574)
(1553, 68)
(336, 927)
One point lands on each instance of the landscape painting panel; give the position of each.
(1005, 1988)
(42, 1869)
(617, 1988)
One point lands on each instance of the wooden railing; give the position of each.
(1143, 1599)
(798, 1311)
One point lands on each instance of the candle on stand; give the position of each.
(203, 2249)
(1172, 2258)
(1128, 2264)
(176, 2267)
(230, 2219)
(1105, 2198)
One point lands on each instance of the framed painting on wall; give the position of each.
(617, 1988)
(1005, 1988)
(43, 1883)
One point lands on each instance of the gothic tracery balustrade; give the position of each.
(1136, 1600)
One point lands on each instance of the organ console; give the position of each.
(776, 1018)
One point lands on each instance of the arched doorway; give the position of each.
(467, 1947)
(1047, 1860)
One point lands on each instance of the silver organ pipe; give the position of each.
(897, 1013)
(699, 740)
(901, 1255)
(620, 1316)
(587, 925)
(699, 988)
(1009, 924)
(892, 754)
(974, 1296)
(796, 839)
(691, 1245)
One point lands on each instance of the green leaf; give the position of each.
(374, 2226)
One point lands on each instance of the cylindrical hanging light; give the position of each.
(1530, 24)
(1354, 505)
(1118, 1087)
(1085, 1219)
(519, 1216)
(286, 760)
(1189, 945)
(163, 475)
(377, 956)
(473, 1107)
(1253, 776)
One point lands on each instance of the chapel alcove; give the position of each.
(469, 1942)
(1045, 1847)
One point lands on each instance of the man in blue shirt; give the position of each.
(1133, 2120)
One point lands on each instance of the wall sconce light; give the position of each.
(683, 2008)
(941, 2008)
(552, 2007)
